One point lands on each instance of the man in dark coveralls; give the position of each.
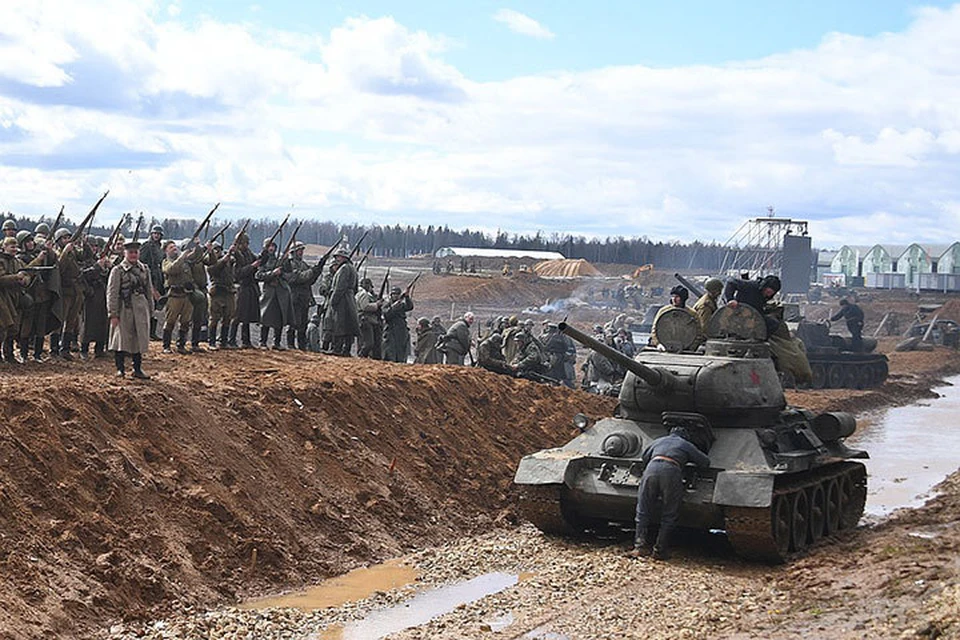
(853, 314)
(662, 479)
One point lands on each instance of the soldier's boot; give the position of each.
(138, 366)
(302, 339)
(264, 337)
(182, 343)
(98, 350)
(245, 336)
(118, 357)
(65, 346)
(153, 329)
(24, 344)
(195, 338)
(54, 345)
(224, 336)
(167, 339)
(38, 349)
(291, 338)
(232, 338)
(212, 335)
(277, 337)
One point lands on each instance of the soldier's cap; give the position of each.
(9, 224)
(681, 291)
(436, 318)
(268, 242)
(9, 240)
(423, 321)
(119, 239)
(133, 245)
(365, 282)
(42, 228)
(217, 244)
(528, 322)
(843, 301)
(243, 238)
(23, 236)
(157, 229)
(771, 282)
(342, 252)
(395, 290)
(714, 286)
(61, 232)
(297, 245)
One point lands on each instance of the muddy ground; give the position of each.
(233, 475)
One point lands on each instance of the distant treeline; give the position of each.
(405, 241)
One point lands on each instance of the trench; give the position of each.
(912, 449)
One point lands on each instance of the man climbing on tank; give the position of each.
(678, 300)
(853, 314)
(755, 293)
(662, 480)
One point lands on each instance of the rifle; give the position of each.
(383, 285)
(136, 230)
(203, 225)
(365, 256)
(243, 230)
(293, 238)
(108, 248)
(37, 269)
(326, 256)
(86, 221)
(273, 238)
(411, 285)
(218, 234)
(56, 223)
(357, 246)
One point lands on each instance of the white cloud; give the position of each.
(370, 121)
(523, 24)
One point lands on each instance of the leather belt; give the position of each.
(668, 459)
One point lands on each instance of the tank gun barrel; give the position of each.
(694, 289)
(655, 377)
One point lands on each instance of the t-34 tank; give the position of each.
(834, 362)
(780, 477)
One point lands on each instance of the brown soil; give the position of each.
(210, 481)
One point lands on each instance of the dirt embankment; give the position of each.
(234, 473)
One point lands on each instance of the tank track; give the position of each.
(752, 532)
(541, 505)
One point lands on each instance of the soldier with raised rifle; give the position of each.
(276, 307)
(12, 282)
(342, 305)
(248, 292)
(369, 306)
(396, 334)
(151, 254)
(179, 310)
(223, 295)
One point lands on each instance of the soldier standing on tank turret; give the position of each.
(755, 293)
(662, 479)
(151, 254)
(853, 314)
(706, 305)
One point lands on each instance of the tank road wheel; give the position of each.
(851, 376)
(819, 376)
(818, 512)
(835, 376)
(782, 523)
(800, 519)
(833, 507)
(853, 491)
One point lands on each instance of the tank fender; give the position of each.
(743, 489)
(552, 466)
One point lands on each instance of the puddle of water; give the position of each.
(911, 449)
(420, 609)
(542, 633)
(500, 622)
(350, 587)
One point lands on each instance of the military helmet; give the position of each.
(681, 291)
(714, 286)
(365, 282)
(496, 339)
(157, 229)
(61, 232)
(23, 236)
(42, 229)
(267, 242)
(297, 245)
(342, 252)
(217, 244)
(9, 224)
(395, 290)
(423, 322)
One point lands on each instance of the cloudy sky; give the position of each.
(671, 120)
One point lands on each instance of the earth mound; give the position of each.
(234, 473)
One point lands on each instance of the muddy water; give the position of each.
(350, 587)
(422, 608)
(911, 449)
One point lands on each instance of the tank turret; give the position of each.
(780, 478)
